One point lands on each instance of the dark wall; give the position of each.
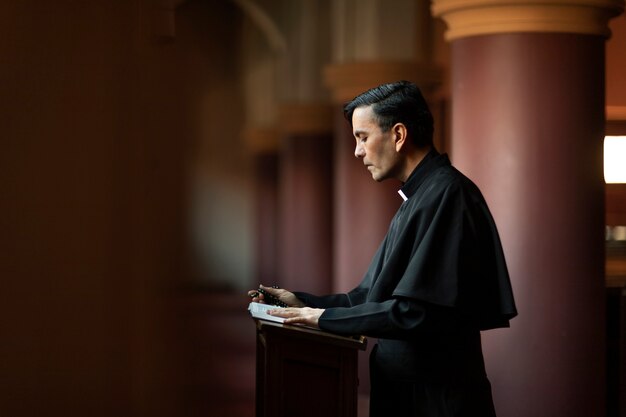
(97, 141)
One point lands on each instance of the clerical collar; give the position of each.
(430, 162)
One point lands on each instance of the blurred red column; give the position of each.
(305, 198)
(527, 127)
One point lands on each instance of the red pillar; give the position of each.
(266, 217)
(305, 193)
(263, 148)
(527, 127)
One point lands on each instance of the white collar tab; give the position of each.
(404, 197)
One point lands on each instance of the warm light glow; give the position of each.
(615, 159)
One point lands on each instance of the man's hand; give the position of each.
(303, 315)
(283, 295)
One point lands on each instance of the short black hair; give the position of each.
(397, 102)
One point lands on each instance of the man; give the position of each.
(438, 278)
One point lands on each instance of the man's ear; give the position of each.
(399, 135)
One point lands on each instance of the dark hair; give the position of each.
(398, 102)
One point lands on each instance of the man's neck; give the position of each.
(412, 161)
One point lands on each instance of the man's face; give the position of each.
(376, 148)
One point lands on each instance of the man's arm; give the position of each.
(316, 305)
(397, 318)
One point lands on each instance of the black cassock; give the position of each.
(438, 278)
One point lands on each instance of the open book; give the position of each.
(259, 311)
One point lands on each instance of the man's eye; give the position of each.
(363, 139)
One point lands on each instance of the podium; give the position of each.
(304, 372)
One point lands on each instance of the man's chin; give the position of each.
(377, 178)
(376, 175)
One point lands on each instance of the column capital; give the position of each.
(305, 118)
(347, 80)
(485, 17)
(616, 113)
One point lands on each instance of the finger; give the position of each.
(271, 290)
(280, 312)
(258, 299)
(299, 320)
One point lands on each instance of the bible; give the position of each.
(259, 311)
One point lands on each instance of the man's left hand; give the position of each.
(294, 315)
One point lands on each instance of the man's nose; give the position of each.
(359, 152)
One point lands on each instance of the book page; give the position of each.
(259, 311)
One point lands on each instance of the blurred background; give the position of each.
(160, 157)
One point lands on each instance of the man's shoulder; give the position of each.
(448, 177)
(448, 184)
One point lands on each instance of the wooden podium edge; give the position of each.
(318, 335)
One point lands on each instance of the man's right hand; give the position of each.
(283, 295)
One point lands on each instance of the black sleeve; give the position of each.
(354, 297)
(325, 301)
(397, 318)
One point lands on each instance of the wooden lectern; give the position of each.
(303, 372)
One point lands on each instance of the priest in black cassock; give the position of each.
(437, 280)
